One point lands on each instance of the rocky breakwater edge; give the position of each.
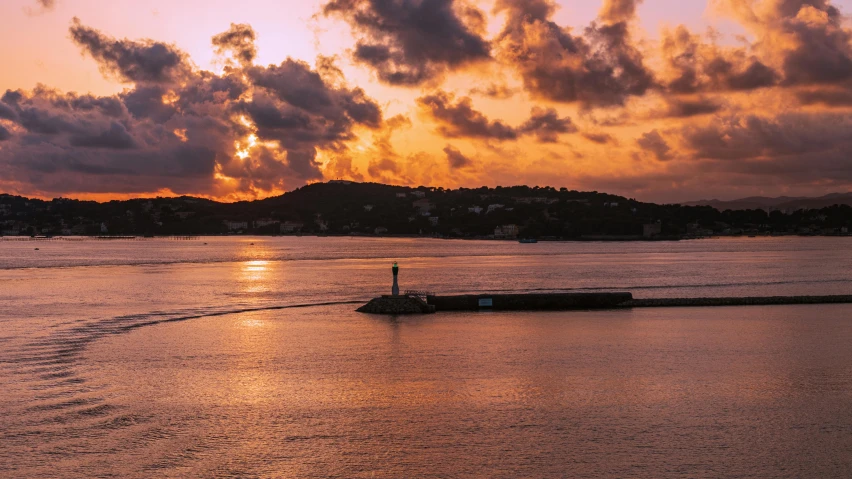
(401, 304)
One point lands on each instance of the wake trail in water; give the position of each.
(49, 364)
(239, 311)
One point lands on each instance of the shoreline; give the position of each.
(588, 239)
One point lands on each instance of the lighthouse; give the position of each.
(395, 289)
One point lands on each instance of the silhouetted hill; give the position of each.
(348, 208)
(783, 203)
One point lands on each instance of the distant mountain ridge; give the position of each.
(782, 203)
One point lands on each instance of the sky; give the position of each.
(659, 100)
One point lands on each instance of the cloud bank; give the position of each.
(491, 93)
(250, 131)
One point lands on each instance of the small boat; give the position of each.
(527, 241)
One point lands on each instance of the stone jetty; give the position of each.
(571, 301)
(390, 304)
(414, 303)
(411, 304)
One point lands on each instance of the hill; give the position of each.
(783, 203)
(348, 208)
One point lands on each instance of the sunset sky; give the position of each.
(661, 100)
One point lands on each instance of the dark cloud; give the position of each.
(409, 42)
(809, 41)
(116, 137)
(86, 143)
(547, 125)
(754, 74)
(686, 108)
(600, 68)
(826, 95)
(599, 138)
(147, 102)
(459, 119)
(456, 158)
(742, 137)
(4, 133)
(6, 112)
(131, 61)
(653, 142)
(494, 90)
(181, 128)
(697, 66)
(822, 51)
(807, 149)
(238, 40)
(294, 83)
(46, 4)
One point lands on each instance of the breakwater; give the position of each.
(412, 304)
(529, 302)
(400, 304)
(744, 301)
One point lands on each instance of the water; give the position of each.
(230, 359)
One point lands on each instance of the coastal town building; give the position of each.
(506, 232)
(236, 225)
(292, 226)
(535, 199)
(264, 222)
(695, 230)
(424, 206)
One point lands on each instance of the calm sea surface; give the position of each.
(242, 357)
